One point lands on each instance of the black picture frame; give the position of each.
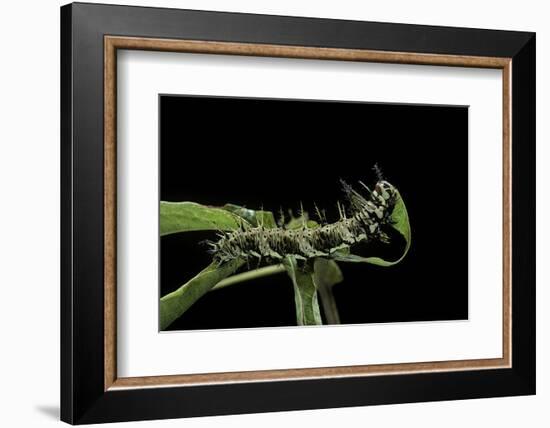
(84, 398)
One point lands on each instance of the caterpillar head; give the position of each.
(382, 198)
(384, 192)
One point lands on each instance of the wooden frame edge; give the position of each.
(507, 213)
(109, 198)
(309, 373)
(301, 52)
(112, 43)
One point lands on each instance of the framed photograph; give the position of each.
(265, 213)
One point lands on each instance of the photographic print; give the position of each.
(280, 212)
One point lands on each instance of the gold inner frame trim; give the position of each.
(113, 43)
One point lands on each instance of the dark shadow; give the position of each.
(49, 410)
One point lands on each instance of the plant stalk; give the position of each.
(250, 275)
(329, 304)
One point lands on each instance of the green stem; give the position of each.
(305, 293)
(250, 275)
(326, 274)
(329, 304)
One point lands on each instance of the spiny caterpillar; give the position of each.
(362, 221)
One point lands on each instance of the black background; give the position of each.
(273, 153)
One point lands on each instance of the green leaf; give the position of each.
(266, 219)
(400, 222)
(189, 216)
(301, 221)
(305, 293)
(255, 218)
(173, 305)
(326, 274)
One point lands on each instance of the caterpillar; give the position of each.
(361, 220)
